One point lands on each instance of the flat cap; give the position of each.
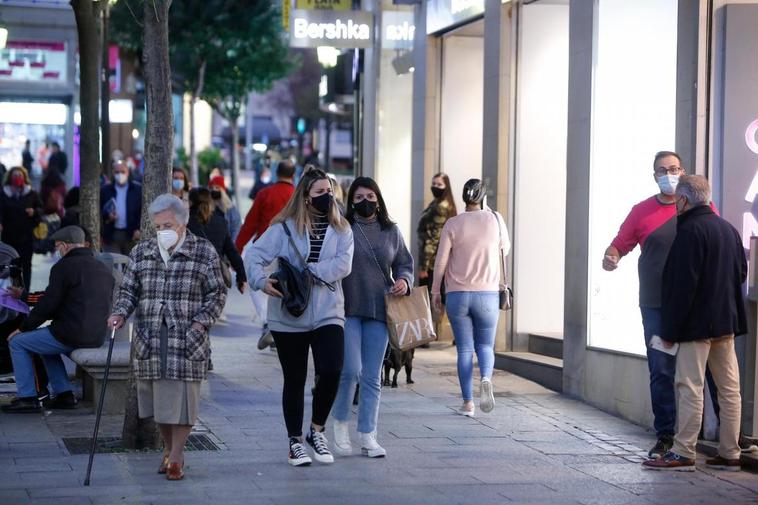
(69, 235)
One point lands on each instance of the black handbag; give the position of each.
(295, 285)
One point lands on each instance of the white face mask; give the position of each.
(167, 238)
(121, 178)
(265, 179)
(667, 184)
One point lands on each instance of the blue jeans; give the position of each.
(473, 316)
(662, 368)
(41, 342)
(365, 344)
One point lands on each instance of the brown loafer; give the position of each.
(164, 465)
(175, 471)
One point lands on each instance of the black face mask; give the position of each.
(365, 208)
(322, 203)
(437, 192)
(216, 195)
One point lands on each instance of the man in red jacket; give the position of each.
(268, 203)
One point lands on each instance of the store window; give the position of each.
(540, 183)
(394, 115)
(634, 105)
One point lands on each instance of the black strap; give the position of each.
(373, 255)
(302, 259)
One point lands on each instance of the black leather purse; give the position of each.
(295, 284)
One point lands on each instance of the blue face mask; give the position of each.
(667, 184)
(177, 184)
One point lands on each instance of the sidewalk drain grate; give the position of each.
(81, 445)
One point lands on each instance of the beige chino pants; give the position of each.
(691, 359)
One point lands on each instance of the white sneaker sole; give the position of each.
(374, 453)
(486, 397)
(323, 458)
(304, 461)
(671, 469)
(466, 413)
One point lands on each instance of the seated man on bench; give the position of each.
(77, 301)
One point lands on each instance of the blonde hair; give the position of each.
(297, 208)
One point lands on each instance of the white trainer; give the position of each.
(369, 446)
(486, 395)
(342, 438)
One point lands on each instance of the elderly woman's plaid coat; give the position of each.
(190, 289)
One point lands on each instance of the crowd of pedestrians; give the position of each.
(322, 273)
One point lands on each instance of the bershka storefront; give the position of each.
(347, 29)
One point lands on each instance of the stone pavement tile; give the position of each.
(28, 466)
(566, 447)
(78, 500)
(14, 497)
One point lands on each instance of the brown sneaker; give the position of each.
(671, 462)
(719, 463)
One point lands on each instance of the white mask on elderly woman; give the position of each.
(167, 239)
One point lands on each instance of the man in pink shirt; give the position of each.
(652, 225)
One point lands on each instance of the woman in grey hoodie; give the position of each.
(381, 265)
(323, 238)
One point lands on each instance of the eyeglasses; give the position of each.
(672, 170)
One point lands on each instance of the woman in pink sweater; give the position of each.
(469, 256)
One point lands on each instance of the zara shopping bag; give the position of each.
(409, 320)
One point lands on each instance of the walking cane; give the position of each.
(100, 406)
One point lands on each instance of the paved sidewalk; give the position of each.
(535, 447)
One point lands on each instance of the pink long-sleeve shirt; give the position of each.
(468, 256)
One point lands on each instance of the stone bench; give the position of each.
(92, 364)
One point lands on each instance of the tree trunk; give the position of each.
(105, 97)
(159, 137)
(235, 159)
(194, 175)
(86, 14)
(159, 142)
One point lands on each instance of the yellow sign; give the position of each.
(286, 15)
(335, 5)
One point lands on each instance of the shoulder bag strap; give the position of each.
(373, 255)
(302, 259)
(500, 248)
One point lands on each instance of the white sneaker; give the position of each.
(486, 395)
(370, 448)
(342, 438)
(468, 413)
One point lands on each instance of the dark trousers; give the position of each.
(120, 243)
(662, 368)
(327, 343)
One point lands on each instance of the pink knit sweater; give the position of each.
(469, 252)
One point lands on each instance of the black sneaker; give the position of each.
(27, 405)
(65, 400)
(298, 455)
(318, 442)
(747, 445)
(661, 447)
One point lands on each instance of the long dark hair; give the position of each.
(385, 221)
(448, 195)
(201, 204)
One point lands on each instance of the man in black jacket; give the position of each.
(703, 309)
(77, 301)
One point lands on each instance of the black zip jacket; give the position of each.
(77, 300)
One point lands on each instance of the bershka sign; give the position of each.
(343, 29)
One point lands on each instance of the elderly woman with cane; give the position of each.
(174, 283)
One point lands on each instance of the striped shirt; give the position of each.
(319, 226)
